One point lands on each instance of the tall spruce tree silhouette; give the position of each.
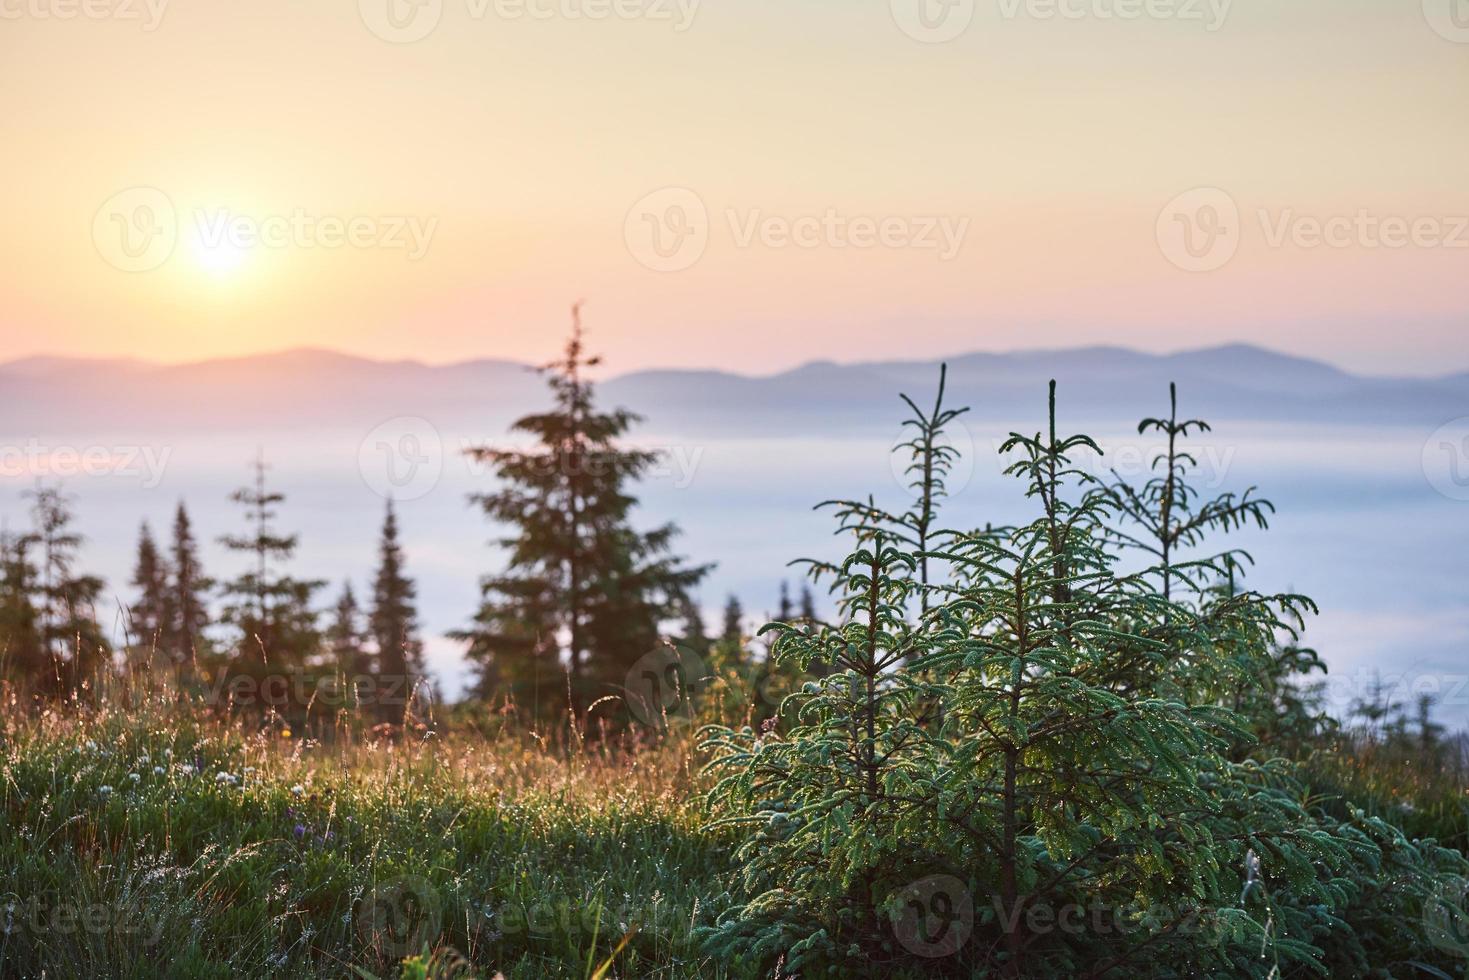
(583, 590)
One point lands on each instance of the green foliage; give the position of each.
(394, 619)
(346, 648)
(64, 600)
(582, 585)
(185, 640)
(150, 615)
(24, 654)
(1041, 730)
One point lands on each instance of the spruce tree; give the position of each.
(929, 462)
(1165, 517)
(1430, 732)
(345, 640)
(1046, 733)
(394, 625)
(582, 585)
(808, 605)
(1166, 520)
(745, 686)
(150, 615)
(728, 649)
(695, 636)
(785, 612)
(732, 622)
(188, 603)
(22, 652)
(270, 611)
(1376, 706)
(65, 601)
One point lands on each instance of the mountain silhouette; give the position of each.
(321, 388)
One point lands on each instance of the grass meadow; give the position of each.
(144, 838)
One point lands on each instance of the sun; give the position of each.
(218, 256)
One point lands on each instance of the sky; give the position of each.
(745, 185)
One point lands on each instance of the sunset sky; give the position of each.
(800, 163)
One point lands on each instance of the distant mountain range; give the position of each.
(1360, 528)
(325, 389)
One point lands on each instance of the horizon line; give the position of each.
(264, 354)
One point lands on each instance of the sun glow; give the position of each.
(219, 257)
